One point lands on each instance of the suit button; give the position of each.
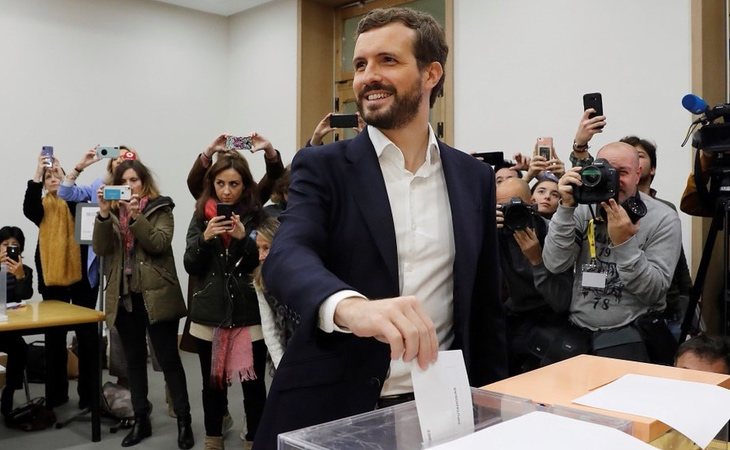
(374, 381)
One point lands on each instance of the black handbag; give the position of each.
(33, 416)
(659, 341)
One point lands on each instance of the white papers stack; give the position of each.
(697, 410)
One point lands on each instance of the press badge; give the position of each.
(593, 277)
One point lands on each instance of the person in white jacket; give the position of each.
(277, 321)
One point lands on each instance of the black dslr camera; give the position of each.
(600, 183)
(518, 215)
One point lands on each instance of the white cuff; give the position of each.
(327, 310)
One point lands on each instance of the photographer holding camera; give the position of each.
(536, 300)
(623, 267)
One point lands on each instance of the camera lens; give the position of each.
(590, 176)
(103, 152)
(517, 217)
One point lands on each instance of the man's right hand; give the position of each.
(566, 184)
(399, 322)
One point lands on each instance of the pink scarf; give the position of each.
(127, 236)
(232, 356)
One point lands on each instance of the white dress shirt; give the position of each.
(424, 237)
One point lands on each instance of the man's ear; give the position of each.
(434, 71)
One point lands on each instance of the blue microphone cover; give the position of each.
(694, 104)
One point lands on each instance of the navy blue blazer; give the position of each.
(337, 233)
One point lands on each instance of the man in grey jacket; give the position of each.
(623, 272)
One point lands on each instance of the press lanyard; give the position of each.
(592, 240)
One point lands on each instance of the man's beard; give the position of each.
(402, 110)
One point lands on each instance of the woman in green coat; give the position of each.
(143, 293)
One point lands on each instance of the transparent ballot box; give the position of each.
(397, 427)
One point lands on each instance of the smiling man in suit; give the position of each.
(387, 249)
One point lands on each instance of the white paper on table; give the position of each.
(547, 432)
(443, 398)
(697, 410)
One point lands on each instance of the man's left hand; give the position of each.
(620, 227)
(529, 244)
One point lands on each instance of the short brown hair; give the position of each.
(429, 45)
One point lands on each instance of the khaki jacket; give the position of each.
(154, 264)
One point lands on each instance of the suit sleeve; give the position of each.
(196, 178)
(488, 328)
(274, 170)
(561, 247)
(295, 271)
(33, 202)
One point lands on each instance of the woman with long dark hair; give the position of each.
(220, 257)
(143, 294)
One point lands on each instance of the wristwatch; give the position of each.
(580, 148)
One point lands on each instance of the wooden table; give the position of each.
(562, 382)
(39, 316)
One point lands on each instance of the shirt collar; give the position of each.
(381, 142)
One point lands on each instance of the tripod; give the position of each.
(720, 222)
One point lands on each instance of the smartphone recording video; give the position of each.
(595, 101)
(225, 210)
(117, 193)
(343, 121)
(47, 154)
(107, 151)
(544, 147)
(239, 143)
(491, 158)
(13, 253)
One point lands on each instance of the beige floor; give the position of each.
(164, 428)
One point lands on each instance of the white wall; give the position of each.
(75, 73)
(263, 77)
(522, 68)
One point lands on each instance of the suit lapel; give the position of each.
(466, 222)
(371, 197)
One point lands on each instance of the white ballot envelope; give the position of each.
(443, 398)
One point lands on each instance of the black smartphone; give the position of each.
(343, 120)
(224, 209)
(595, 101)
(491, 158)
(13, 253)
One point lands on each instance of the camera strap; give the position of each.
(592, 276)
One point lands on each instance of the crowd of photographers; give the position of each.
(592, 259)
